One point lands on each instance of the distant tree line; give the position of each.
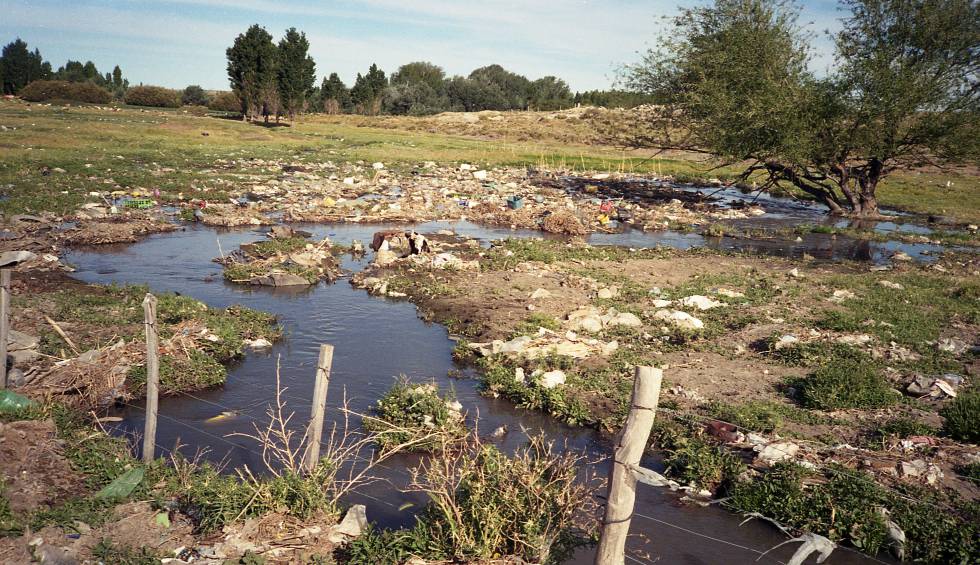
(272, 80)
(19, 66)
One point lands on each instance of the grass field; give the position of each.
(142, 149)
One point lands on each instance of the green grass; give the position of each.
(763, 416)
(165, 150)
(913, 315)
(844, 508)
(847, 380)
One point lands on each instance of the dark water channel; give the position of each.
(377, 339)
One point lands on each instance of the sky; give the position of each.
(175, 43)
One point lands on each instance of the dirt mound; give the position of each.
(125, 231)
(35, 472)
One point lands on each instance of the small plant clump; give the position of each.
(962, 416)
(416, 417)
(484, 505)
(695, 460)
(845, 381)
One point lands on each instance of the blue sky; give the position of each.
(179, 42)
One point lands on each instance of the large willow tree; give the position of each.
(735, 84)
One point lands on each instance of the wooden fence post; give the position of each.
(631, 444)
(4, 323)
(315, 430)
(152, 376)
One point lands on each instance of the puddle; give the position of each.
(375, 340)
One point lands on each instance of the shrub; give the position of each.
(963, 416)
(416, 415)
(486, 505)
(225, 102)
(849, 380)
(194, 96)
(58, 90)
(154, 96)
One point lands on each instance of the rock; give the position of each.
(795, 273)
(890, 284)
(785, 341)
(842, 295)
(19, 341)
(921, 385)
(913, 469)
(662, 303)
(952, 345)
(378, 166)
(729, 293)
(626, 319)
(450, 261)
(607, 293)
(280, 279)
(901, 256)
(519, 375)
(540, 294)
(701, 302)
(384, 257)
(682, 320)
(776, 452)
(858, 339)
(499, 432)
(551, 379)
(516, 345)
(480, 175)
(10, 259)
(353, 525)
(260, 343)
(585, 319)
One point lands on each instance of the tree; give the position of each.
(252, 72)
(334, 95)
(368, 89)
(421, 72)
(194, 95)
(549, 93)
(734, 83)
(470, 95)
(513, 88)
(19, 66)
(297, 72)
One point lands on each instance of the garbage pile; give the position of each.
(287, 258)
(500, 196)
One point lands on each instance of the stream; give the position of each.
(377, 339)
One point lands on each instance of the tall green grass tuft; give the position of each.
(485, 505)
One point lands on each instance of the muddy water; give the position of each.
(376, 339)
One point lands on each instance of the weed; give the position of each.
(108, 552)
(962, 416)
(531, 324)
(848, 506)
(10, 525)
(415, 417)
(762, 416)
(198, 371)
(970, 471)
(850, 380)
(271, 247)
(485, 504)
